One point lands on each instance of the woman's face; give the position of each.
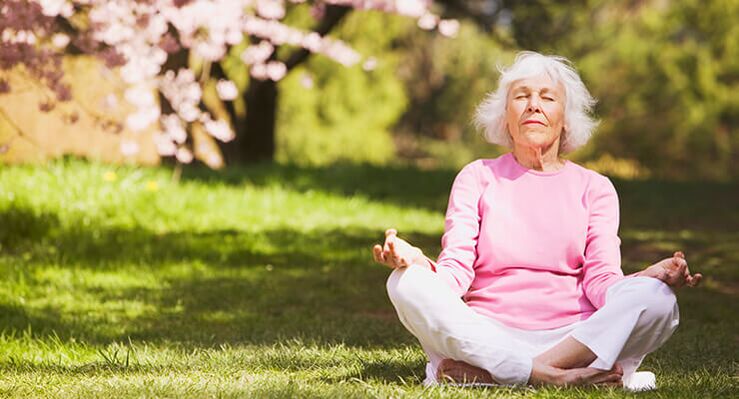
(535, 111)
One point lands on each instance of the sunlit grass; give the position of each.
(258, 282)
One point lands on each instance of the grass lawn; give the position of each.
(258, 282)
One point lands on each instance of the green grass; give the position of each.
(258, 282)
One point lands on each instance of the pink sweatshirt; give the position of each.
(533, 250)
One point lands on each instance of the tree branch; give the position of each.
(332, 17)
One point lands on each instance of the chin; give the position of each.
(538, 140)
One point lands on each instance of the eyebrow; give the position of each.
(544, 89)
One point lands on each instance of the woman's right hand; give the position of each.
(397, 253)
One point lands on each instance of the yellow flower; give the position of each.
(110, 176)
(152, 185)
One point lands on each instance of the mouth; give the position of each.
(532, 121)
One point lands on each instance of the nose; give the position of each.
(534, 104)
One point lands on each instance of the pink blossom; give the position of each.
(270, 9)
(188, 112)
(52, 8)
(259, 71)
(227, 90)
(184, 155)
(60, 40)
(342, 53)
(182, 92)
(276, 70)
(24, 36)
(165, 146)
(312, 42)
(220, 130)
(411, 8)
(210, 50)
(139, 35)
(141, 95)
(174, 128)
(257, 54)
(427, 21)
(156, 28)
(142, 118)
(449, 27)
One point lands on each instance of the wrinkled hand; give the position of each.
(673, 272)
(397, 253)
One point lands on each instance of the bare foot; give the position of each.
(462, 373)
(543, 374)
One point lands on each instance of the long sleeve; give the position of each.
(461, 231)
(602, 264)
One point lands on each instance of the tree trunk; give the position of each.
(255, 134)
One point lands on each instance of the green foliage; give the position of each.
(258, 282)
(330, 113)
(665, 74)
(447, 79)
(669, 98)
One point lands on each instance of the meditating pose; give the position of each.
(528, 288)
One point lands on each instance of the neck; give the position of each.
(539, 158)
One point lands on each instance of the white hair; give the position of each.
(579, 125)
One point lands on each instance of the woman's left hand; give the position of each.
(673, 272)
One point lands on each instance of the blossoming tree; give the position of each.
(151, 43)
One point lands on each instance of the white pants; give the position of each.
(640, 314)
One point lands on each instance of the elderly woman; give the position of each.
(528, 288)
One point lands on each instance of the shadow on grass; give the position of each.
(424, 189)
(203, 289)
(210, 288)
(696, 205)
(227, 286)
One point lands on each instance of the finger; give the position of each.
(679, 254)
(676, 280)
(381, 254)
(377, 254)
(391, 232)
(394, 254)
(593, 376)
(679, 274)
(695, 280)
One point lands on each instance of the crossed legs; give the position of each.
(639, 316)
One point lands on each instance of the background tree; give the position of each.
(662, 72)
(156, 43)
